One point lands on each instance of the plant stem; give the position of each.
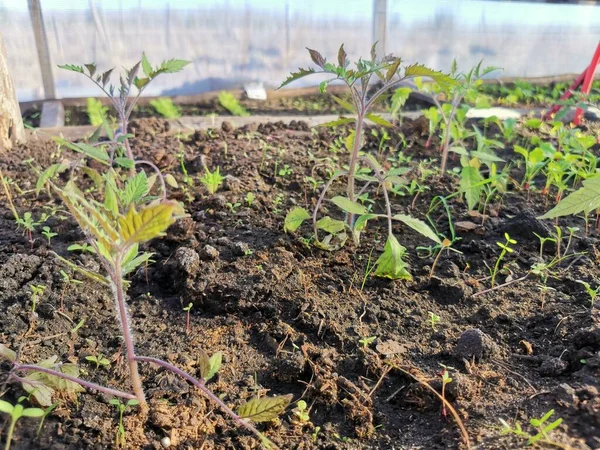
(119, 295)
(354, 158)
(200, 385)
(9, 435)
(86, 384)
(320, 200)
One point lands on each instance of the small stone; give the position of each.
(227, 127)
(390, 347)
(166, 441)
(232, 184)
(240, 248)
(553, 367)
(474, 343)
(217, 201)
(209, 253)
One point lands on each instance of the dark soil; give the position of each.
(289, 317)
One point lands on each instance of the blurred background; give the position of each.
(231, 42)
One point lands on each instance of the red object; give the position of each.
(584, 79)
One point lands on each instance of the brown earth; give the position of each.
(288, 317)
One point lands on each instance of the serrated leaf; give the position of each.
(294, 219)
(392, 69)
(106, 77)
(264, 409)
(586, 199)
(48, 174)
(391, 264)
(135, 188)
(418, 70)
(296, 76)
(338, 122)
(378, 120)
(7, 353)
(317, 58)
(71, 67)
(344, 104)
(330, 225)
(150, 222)
(146, 66)
(470, 185)
(91, 68)
(140, 82)
(348, 205)
(171, 66)
(419, 226)
(342, 56)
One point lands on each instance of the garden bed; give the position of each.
(293, 319)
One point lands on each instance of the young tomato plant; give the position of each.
(388, 71)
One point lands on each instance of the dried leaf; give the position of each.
(264, 409)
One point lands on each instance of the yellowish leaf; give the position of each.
(264, 409)
(150, 222)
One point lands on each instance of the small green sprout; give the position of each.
(36, 291)
(505, 249)
(16, 412)
(593, 293)
(434, 319)
(212, 180)
(48, 234)
(120, 435)
(249, 199)
(543, 430)
(446, 379)
(301, 412)
(98, 359)
(366, 341)
(285, 171)
(315, 434)
(47, 412)
(209, 366)
(233, 206)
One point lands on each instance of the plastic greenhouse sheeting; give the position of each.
(230, 42)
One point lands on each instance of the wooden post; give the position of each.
(380, 25)
(41, 43)
(11, 124)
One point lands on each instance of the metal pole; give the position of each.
(41, 43)
(380, 24)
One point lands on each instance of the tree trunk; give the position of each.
(11, 124)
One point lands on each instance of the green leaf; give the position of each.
(7, 353)
(171, 66)
(378, 120)
(296, 76)
(470, 180)
(419, 226)
(48, 174)
(586, 199)
(534, 124)
(349, 142)
(6, 407)
(418, 70)
(135, 188)
(71, 67)
(146, 66)
(390, 264)
(294, 219)
(97, 153)
(486, 157)
(110, 199)
(361, 221)
(330, 225)
(33, 412)
(344, 104)
(136, 262)
(348, 205)
(392, 69)
(125, 162)
(342, 57)
(338, 122)
(140, 82)
(264, 409)
(35, 384)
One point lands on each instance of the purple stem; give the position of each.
(86, 384)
